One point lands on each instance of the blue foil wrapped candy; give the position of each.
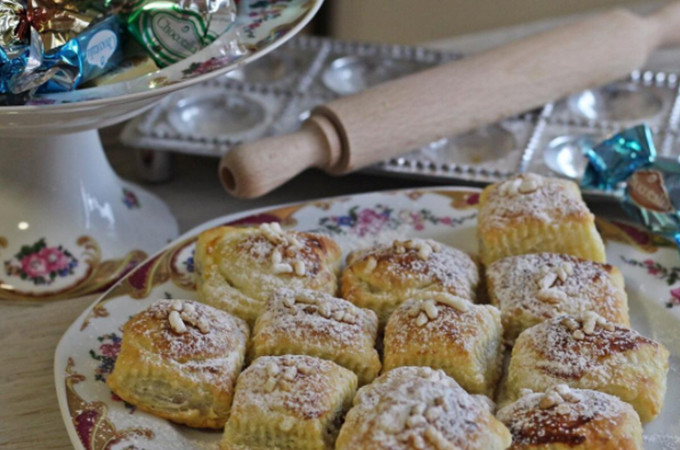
(652, 185)
(617, 158)
(24, 64)
(87, 56)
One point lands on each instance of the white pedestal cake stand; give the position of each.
(68, 225)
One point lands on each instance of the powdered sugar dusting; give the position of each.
(307, 394)
(409, 406)
(449, 268)
(568, 357)
(223, 333)
(543, 285)
(318, 319)
(313, 323)
(566, 422)
(294, 253)
(458, 327)
(248, 264)
(543, 199)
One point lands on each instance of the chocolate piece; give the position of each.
(173, 30)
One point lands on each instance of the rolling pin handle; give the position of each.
(255, 168)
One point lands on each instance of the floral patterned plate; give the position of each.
(97, 419)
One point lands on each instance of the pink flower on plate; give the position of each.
(417, 221)
(370, 221)
(472, 199)
(676, 293)
(110, 350)
(54, 258)
(652, 267)
(34, 265)
(369, 216)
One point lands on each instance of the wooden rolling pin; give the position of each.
(405, 114)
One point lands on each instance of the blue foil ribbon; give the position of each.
(652, 185)
(617, 158)
(20, 64)
(92, 53)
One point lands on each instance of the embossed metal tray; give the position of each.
(275, 95)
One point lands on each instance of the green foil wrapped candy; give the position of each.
(173, 30)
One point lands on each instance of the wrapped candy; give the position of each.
(87, 56)
(13, 28)
(653, 198)
(21, 54)
(173, 30)
(56, 26)
(54, 45)
(57, 45)
(617, 158)
(651, 185)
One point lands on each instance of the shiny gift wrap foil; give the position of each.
(56, 21)
(652, 185)
(56, 26)
(55, 46)
(87, 56)
(618, 157)
(173, 30)
(13, 27)
(20, 65)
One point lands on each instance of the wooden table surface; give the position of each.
(29, 333)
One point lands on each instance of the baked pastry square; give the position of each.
(418, 408)
(179, 360)
(448, 333)
(563, 419)
(588, 352)
(529, 213)
(237, 269)
(312, 323)
(529, 289)
(289, 402)
(383, 277)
